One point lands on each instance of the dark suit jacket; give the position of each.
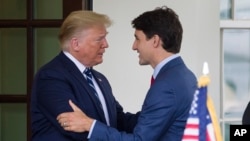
(165, 108)
(56, 83)
(246, 115)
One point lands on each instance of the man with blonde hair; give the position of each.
(70, 75)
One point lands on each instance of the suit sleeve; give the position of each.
(53, 94)
(123, 121)
(126, 121)
(156, 116)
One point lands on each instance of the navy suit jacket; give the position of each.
(246, 115)
(164, 111)
(57, 82)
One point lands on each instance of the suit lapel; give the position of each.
(79, 76)
(107, 96)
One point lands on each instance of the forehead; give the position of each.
(92, 34)
(95, 30)
(139, 34)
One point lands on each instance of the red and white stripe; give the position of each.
(210, 133)
(191, 132)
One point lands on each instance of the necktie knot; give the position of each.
(87, 71)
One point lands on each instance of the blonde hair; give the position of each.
(78, 21)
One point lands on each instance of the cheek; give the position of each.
(95, 53)
(141, 47)
(93, 49)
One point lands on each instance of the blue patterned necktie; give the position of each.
(89, 78)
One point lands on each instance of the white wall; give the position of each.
(130, 82)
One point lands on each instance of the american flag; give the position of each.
(199, 125)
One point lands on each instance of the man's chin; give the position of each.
(99, 62)
(143, 63)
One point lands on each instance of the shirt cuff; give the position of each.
(91, 129)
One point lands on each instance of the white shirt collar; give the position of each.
(79, 65)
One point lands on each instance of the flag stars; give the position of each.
(193, 109)
(208, 117)
(194, 106)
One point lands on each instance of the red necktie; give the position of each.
(152, 80)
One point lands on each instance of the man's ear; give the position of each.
(156, 40)
(74, 44)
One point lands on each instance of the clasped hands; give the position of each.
(76, 121)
